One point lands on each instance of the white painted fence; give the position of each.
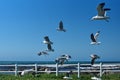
(100, 68)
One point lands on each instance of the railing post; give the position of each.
(100, 69)
(16, 68)
(36, 68)
(56, 69)
(78, 70)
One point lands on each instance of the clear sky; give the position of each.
(24, 23)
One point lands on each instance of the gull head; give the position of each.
(94, 56)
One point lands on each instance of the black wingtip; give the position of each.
(107, 9)
(103, 3)
(98, 31)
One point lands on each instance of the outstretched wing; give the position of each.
(96, 35)
(96, 56)
(92, 61)
(69, 56)
(40, 53)
(100, 9)
(49, 47)
(92, 38)
(62, 62)
(61, 25)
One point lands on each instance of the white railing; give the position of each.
(99, 68)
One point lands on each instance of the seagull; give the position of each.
(66, 56)
(95, 78)
(50, 48)
(28, 71)
(101, 13)
(42, 53)
(62, 59)
(60, 28)
(47, 70)
(94, 57)
(47, 41)
(94, 38)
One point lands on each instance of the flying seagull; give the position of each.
(66, 56)
(62, 59)
(94, 38)
(94, 57)
(47, 40)
(60, 28)
(42, 53)
(101, 13)
(50, 48)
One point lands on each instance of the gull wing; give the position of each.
(100, 9)
(66, 56)
(49, 47)
(69, 56)
(63, 55)
(62, 61)
(42, 53)
(92, 38)
(92, 61)
(47, 38)
(61, 25)
(94, 57)
(96, 35)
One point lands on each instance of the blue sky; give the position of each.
(24, 23)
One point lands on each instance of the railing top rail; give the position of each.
(85, 65)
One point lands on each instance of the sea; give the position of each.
(53, 62)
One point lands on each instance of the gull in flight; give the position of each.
(94, 38)
(101, 13)
(47, 40)
(62, 59)
(60, 28)
(94, 57)
(66, 56)
(42, 53)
